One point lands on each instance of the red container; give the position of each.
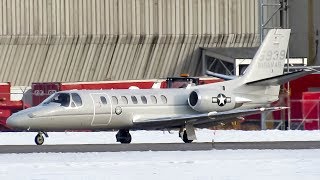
(7, 107)
(310, 110)
(5, 91)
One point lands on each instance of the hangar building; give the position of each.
(86, 40)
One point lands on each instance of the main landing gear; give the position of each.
(187, 133)
(39, 139)
(123, 136)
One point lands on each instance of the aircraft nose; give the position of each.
(15, 122)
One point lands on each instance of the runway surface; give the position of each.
(158, 147)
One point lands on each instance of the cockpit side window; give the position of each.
(76, 99)
(61, 98)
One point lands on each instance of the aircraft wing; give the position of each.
(198, 119)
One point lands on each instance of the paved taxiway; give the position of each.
(158, 147)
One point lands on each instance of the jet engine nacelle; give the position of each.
(210, 100)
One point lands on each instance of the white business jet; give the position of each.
(165, 109)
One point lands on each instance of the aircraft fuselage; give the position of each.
(105, 110)
(111, 109)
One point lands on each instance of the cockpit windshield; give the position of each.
(60, 98)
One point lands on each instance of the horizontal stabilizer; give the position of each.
(221, 76)
(315, 68)
(281, 79)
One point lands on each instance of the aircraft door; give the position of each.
(102, 113)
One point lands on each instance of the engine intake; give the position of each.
(193, 98)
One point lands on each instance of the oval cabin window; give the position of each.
(124, 100)
(114, 100)
(163, 99)
(153, 99)
(134, 100)
(144, 99)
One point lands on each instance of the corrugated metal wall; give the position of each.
(86, 40)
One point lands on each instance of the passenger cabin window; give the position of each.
(76, 99)
(63, 99)
(134, 100)
(124, 100)
(153, 99)
(163, 99)
(144, 99)
(114, 100)
(103, 100)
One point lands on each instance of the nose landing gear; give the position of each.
(123, 136)
(39, 139)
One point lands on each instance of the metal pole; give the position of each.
(261, 20)
(311, 48)
(264, 120)
(263, 115)
(204, 64)
(281, 8)
(288, 89)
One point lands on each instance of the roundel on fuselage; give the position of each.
(221, 99)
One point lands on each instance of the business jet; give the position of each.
(165, 109)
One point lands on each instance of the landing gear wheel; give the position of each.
(39, 139)
(123, 136)
(185, 137)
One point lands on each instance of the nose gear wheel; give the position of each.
(39, 139)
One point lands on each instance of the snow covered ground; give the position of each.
(198, 165)
(193, 165)
(203, 135)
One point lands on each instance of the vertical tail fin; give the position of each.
(270, 57)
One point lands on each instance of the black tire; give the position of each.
(126, 140)
(124, 137)
(185, 137)
(39, 139)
